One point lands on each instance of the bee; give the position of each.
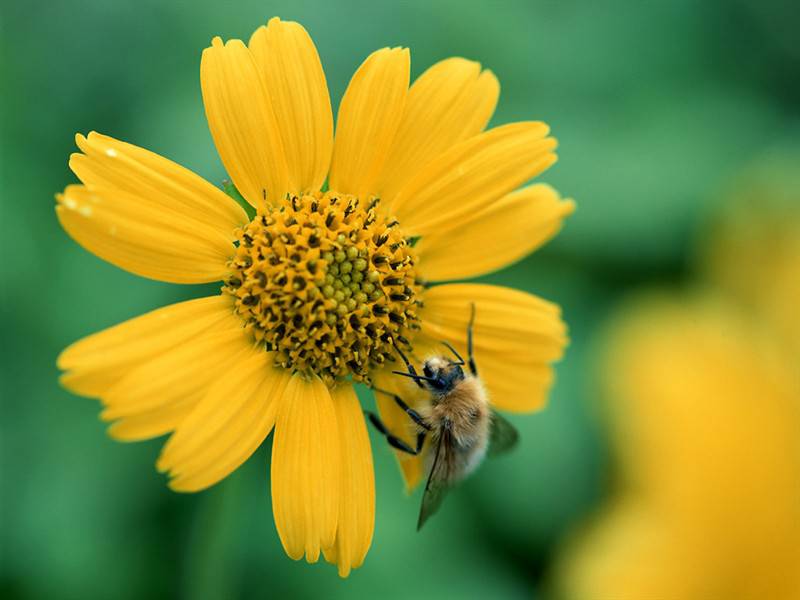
(455, 419)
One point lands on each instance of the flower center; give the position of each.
(326, 283)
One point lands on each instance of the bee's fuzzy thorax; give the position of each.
(464, 411)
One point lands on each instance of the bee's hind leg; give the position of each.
(394, 441)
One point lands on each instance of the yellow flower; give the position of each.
(753, 252)
(703, 403)
(705, 419)
(324, 281)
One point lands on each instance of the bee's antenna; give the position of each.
(412, 372)
(454, 351)
(470, 355)
(416, 377)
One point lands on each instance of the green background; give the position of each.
(657, 107)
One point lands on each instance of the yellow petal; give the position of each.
(472, 174)
(242, 122)
(228, 425)
(151, 423)
(115, 165)
(97, 362)
(357, 487)
(305, 469)
(516, 338)
(448, 103)
(368, 118)
(398, 422)
(291, 69)
(138, 234)
(500, 234)
(154, 397)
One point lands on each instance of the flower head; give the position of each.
(325, 281)
(327, 285)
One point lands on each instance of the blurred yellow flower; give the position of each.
(752, 250)
(323, 282)
(703, 403)
(705, 416)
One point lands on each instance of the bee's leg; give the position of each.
(413, 415)
(394, 441)
(470, 356)
(412, 372)
(421, 440)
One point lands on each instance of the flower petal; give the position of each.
(291, 69)
(448, 103)
(473, 173)
(97, 362)
(305, 469)
(357, 487)
(500, 234)
(152, 423)
(154, 397)
(115, 165)
(228, 425)
(369, 116)
(242, 122)
(140, 235)
(516, 337)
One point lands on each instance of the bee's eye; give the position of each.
(427, 371)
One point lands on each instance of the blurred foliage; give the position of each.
(656, 106)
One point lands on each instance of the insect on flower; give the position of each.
(457, 417)
(344, 258)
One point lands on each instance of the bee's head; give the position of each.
(443, 374)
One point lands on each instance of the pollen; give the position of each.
(327, 282)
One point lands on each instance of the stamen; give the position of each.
(308, 282)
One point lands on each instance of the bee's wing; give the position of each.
(438, 479)
(503, 436)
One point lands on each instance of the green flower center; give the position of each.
(327, 283)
